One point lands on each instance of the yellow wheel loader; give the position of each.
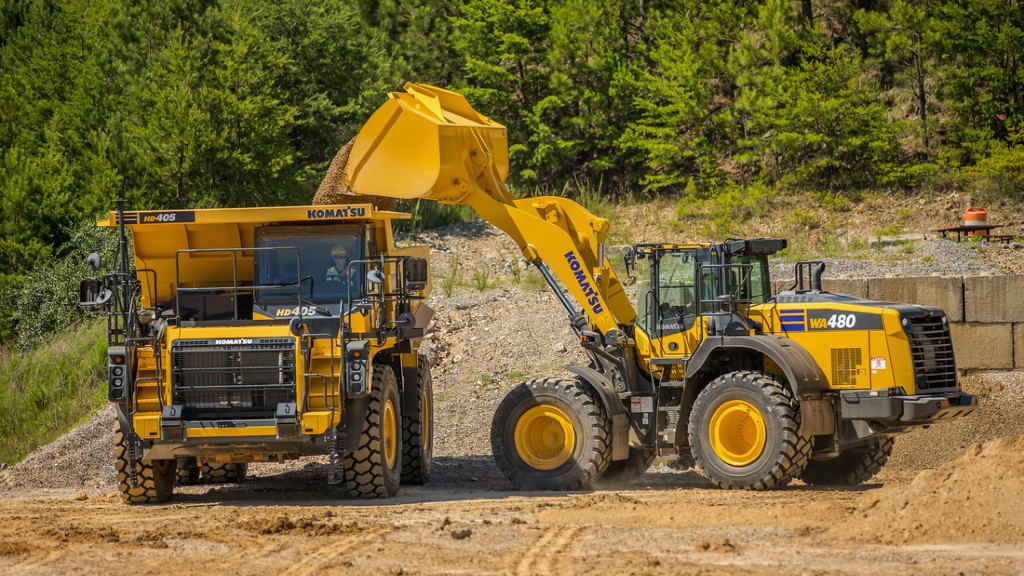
(265, 334)
(758, 388)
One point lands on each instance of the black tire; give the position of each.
(223, 472)
(188, 472)
(738, 400)
(368, 471)
(418, 427)
(852, 467)
(621, 472)
(155, 480)
(572, 467)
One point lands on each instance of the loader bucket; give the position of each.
(425, 143)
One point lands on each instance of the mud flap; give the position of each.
(352, 418)
(613, 407)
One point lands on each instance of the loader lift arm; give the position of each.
(449, 153)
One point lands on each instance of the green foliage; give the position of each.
(452, 276)
(482, 278)
(45, 300)
(50, 388)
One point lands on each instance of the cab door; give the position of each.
(669, 306)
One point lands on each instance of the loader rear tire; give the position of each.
(852, 467)
(155, 480)
(744, 432)
(551, 434)
(418, 427)
(621, 472)
(374, 470)
(223, 472)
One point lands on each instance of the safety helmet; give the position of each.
(338, 250)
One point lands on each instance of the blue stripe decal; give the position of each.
(793, 327)
(786, 317)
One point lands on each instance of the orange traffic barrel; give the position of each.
(976, 217)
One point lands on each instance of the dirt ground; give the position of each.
(951, 500)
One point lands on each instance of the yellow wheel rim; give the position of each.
(737, 433)
(390, 434)
(544, 437)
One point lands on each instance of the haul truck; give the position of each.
(758, 388)
(265, 334)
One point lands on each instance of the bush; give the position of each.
(45, 300)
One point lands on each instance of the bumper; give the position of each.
(897, 411)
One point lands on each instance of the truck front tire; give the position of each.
(745, 432)
(154, 480)
(374, 470)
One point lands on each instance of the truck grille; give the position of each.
(932, 351)
(242, 377)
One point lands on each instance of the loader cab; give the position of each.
(687, 291)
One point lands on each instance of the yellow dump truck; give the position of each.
(264, 334)
(759, 388)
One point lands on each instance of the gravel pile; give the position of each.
(929, 258)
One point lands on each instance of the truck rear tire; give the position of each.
(621, 472)
(744, 432)
(418, 427)
(155, 480)
(852, 467)
(375, 469)
(223, 472)
(551, 434)
(188, 472)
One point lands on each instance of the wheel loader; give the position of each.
(265, 334)
(757, 388)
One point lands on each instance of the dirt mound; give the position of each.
(334, 189)
(976, 498)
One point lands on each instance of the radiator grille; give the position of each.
(932, 350)
(844, 366)
(241, 377)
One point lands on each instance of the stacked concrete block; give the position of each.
(994, 298)
(853, 286)
(944, 292)
(983, 346)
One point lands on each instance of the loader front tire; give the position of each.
(744, 432)
(155, 480)
(374, 470)
(418, 427)
(852, 467)
(551, 434)
(223, 472)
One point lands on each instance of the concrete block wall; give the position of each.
(986, 313)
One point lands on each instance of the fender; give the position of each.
(801, 371)
(803, 374)
(613, 407)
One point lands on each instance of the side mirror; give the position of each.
(94, 262)
(375, 276)
(629, 281)
(93, 294)
(416, 273)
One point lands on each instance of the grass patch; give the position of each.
(46, 390)
(451, 278)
